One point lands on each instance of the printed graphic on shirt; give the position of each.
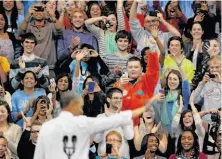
(214, 93)
(69, 150)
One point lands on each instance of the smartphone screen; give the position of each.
(108, 148)
(91, 87)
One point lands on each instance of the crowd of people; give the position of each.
(104, 79)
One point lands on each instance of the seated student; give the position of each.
(14, 19)
(4, 151)
(26, 145)
(115, 99)
(22, 99)
(188, 146)
(10, 131)
(29, 62)
(113, 138)
(150, 144)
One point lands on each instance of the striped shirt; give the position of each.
(115, 59)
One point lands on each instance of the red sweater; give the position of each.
(140, 17)
(137, 94)
(201, 156)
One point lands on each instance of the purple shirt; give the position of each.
(65, 41)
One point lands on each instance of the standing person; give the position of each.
(69, 134)
(29, 61)
(188, 146)
(106, 37)
(151, 23)
(138, 88)
(45, 32)
(21, 99)
(208, 91)
(115, 100)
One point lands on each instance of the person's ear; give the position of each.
(22, 82)
(22, 44)
(35, 83)
(108, 100)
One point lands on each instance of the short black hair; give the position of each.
(29, 36)
(6, 20)
(87, 46)
(123, 34)
(110, 92)
(134, 58)
(176, 38)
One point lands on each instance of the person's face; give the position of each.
(3, 113)
(28, 46)
(39, 16)
(116, 100)
(35, 133)
(175, 48)
(188, 119)
(187, 140)
(85, 59)
(78, 20)
(128, 6)
(197, 31)
(115, 141)
(63, 83)
(148, 116)
(71, 6)
(8, 4)
(218, 139)
(215, 48)
(95, 11)
(113, 21)
(3, 147)
(122, 44)
(215, 67)
(150, 22)
(134, 69)
(171, 12)
(145, 57)
(29, 81)
(51, 4)
(173, 81)
(152, 144)
(2, 22)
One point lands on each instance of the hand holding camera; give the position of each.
(124, 78)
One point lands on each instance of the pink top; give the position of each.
(201, 156)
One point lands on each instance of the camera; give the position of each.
(39, 8)
(196, 6)
(108, 25)
(153, 13)
(215, 117)
(212, 76)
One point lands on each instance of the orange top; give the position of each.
(137, 94)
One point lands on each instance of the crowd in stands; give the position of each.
(117, 55)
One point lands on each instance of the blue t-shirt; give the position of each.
(19, 102)
(98, 157)
(84, 65)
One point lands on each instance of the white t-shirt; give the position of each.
(77, 131)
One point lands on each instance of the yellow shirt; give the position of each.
(4, 64)
(187, 67)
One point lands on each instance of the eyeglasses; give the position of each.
(113, 141)
(34, 132)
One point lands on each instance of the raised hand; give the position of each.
(199, 17)
(37, 69)
(142, 125)
(81, 55)
(154, 32)
(75, 42)
(206, 78)
(156, 128)
(107, 112)
(27, 122)
(21, 63)
(49, 111)
(124, 79)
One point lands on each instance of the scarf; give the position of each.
(110, 43)
(182, 155)
(164, 115)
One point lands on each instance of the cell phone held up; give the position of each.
(153, 13)
(108, 148)
(91, 87)
(211, 75)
